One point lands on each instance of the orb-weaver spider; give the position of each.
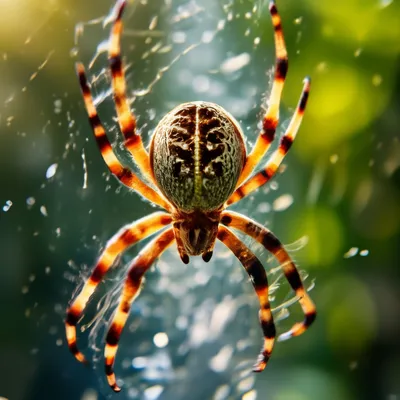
(197, 166)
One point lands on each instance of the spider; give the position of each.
(196, 167)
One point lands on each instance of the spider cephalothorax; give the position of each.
(196, 168)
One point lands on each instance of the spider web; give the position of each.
(175, 51)
(196, 322)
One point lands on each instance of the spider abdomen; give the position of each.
(197, 154)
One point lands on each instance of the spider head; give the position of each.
(196, 233)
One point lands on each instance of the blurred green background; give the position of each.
(342, 172)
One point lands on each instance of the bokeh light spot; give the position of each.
(325, 233)
(352, 319)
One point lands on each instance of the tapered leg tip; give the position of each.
(285, 336)
(116, 388)
(259, 367)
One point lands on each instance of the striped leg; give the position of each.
(273, 245)
(259, 279)
(123, 239)
(271, 117)
(126, 120)
(273, 163)
(123, 174)
(131, 289)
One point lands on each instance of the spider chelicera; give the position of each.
(197, 166)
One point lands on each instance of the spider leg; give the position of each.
(123, 239)
(126, 119)
(123, 174)
(271, 117)
(259, 280)
(273, 163)
(274, 246)
(131, 289)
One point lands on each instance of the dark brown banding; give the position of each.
(226, 220)
(136, 273)
(270, 121)
(222, 235)
(269, 128)
(294, 279)
(126, 118)
(272, 244)
(286, 143)
(73, 348)
(114, 248)
(139, 265)
(278, 27)
(129, 236)
(98, 273)
(109, 369)
(265, 173)
(239, 192)
(72, 317)
(83, 82)
(111, 160)
(128, 129)
(272, 8)
(124, 175)
(268, 328)
(303, 101)
(125, 307)
(120, 11)
(258, 277)
(113, 335)
(115, 64)
(256, 271)
(165, 219)
(96, 122)
(310, 318)
(103, 143)
(281, 68)
(131, 139)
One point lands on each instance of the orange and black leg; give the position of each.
(126, 119)
(273, 163)
(274, 246)
(271, 117)
(126, 237)
(131, 289)
(258, 277)
(126, 176)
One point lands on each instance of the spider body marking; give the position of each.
(197, 153)
(196, 168)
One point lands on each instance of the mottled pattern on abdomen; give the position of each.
(197, 154)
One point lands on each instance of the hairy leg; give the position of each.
(271, 117)
(123, 174)
(126, 119)
(124, 238)
(273, 163)
(273, 245)
(131, 289)
(259, 279)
